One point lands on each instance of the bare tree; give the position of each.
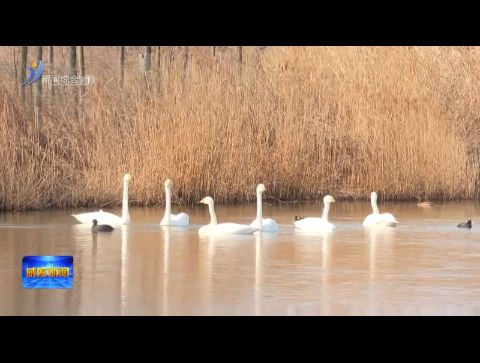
(186, 58)
(170, 59)
(148, 58)
(73, 73)
(144, 64)
(121, 67)
(16, 77)
(159, 69)
(23, 71)
(37, 106)
(51, 69)
(148, 64)
(240, 58)
(141, 70)
(186, 63)
(81, 67)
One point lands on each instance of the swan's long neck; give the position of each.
(213, 216)
(168, 204)
(259, 208)
(326, 208)
(125, 214)
(374, 206)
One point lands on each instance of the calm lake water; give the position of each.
(424, 266)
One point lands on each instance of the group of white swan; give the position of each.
(258, 224)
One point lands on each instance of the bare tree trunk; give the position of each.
(141, 70)
(170, 62)
(148, 58)
(148, 64)
(81, 67)
(51, 70)
(186, 59)
(16, 77)
(240, 58)
(186, 63)
(72, 61)
(121, 66)
(144, 65)
(73, 73)
(37, 107)
(159, 69)
(23, 71)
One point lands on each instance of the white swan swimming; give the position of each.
(265, 224)
(109, 218)
(223, 228)
(317, 224)
(170, 219)
(377, 219)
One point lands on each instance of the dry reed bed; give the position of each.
(305, 121)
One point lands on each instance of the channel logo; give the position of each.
(47, 272)
(36, 71)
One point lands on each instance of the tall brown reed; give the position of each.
(304, 121)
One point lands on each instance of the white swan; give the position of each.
(109, 218)
(317, 224)
(377, 219)
(170, 219)
(223, 228)
(265, 224)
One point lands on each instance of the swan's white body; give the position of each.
(109, 218)
(223, 228)
(170, 219)
(264, 224)
(377, 219)
(317, 224)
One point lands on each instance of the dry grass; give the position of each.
(304, 121)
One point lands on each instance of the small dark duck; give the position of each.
(101, 227)
(297, 218)
(466, 224)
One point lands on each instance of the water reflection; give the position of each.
(205, 261)
(123, 270)
(379, 235)
(166, 258)
(258, 266)
(313, 256)
(380, 244)
(223, 259)
(426, 265)
(326, 253)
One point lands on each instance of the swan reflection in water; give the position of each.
(258, 261)
(313, 243)
(326, 264)
(206, 255)
(166, 259)
(123, 270)
(209, 246)
(93, 247)
(380, 240)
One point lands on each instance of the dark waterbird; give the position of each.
(101, 227)
(297, 218)
(466, 224)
